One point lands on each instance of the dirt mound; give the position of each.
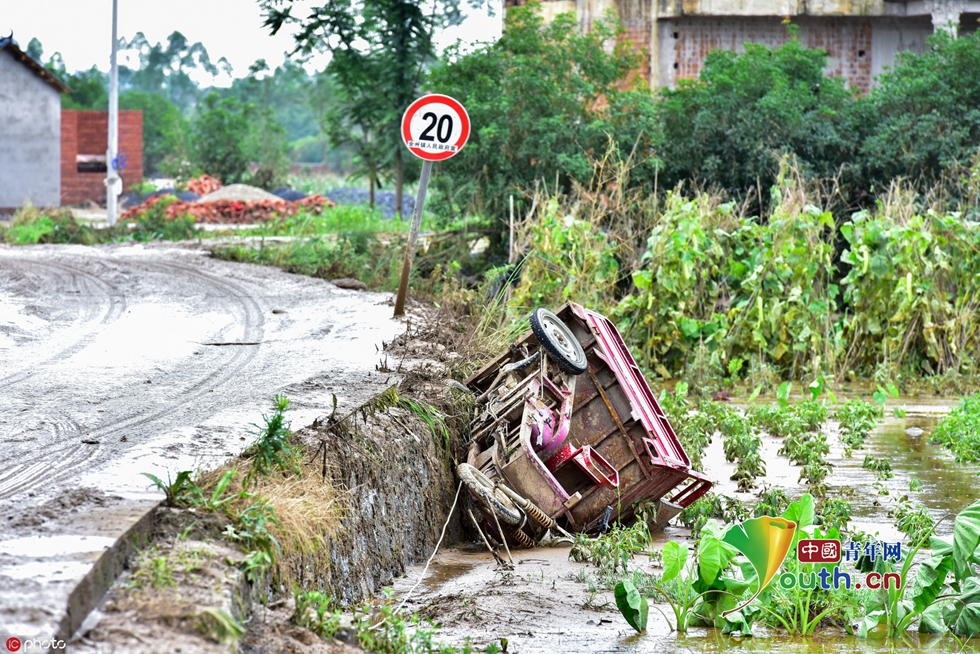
(239, 193)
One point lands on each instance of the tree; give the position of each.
(283, 91)
(379, 50)
(221, 138)
(924, 116)
(165, 70)
(89, 88)
(730, 127)
(160, 121)
(544, 102)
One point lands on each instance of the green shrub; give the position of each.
(857, 420)
(923, 117)
(730, 127)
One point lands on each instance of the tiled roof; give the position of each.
(7, 43)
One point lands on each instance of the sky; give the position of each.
(81, 29)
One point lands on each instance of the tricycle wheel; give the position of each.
(490, 497)
(559, 342)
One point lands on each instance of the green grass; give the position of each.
(352, 255)
(341, 219)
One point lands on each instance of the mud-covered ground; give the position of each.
(393, 483)
(121, 359)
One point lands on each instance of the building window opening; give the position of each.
(91, 163)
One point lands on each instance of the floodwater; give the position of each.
(545, 606)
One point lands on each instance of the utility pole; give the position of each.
(113, 184)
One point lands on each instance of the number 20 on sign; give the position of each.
(434, 128)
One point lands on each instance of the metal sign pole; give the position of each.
(412, 236)
(112, 182)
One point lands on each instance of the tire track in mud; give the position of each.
(117, 305)
(58, 464)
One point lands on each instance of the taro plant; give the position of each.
(938, 604)
(743, 444)
(686, 584)
(959, 432)
(857, 419)
(772, 502)
(881, 467)
(710, 505)
(834, 512)
(801, 609)
(913, 521)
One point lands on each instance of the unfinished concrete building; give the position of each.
(861, 37)
(30, 130)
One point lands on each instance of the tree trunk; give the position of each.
(399, 180)
(371, 191)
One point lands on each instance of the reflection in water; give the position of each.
(947, 486)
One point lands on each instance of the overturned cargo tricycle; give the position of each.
(569, 434)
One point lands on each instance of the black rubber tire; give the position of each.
(559, 342)
(490, 498)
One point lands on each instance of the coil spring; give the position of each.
(539, 516)
(523, 539)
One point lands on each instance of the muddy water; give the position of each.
(948, 486)
(544, 606)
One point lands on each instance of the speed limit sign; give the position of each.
(435, 127)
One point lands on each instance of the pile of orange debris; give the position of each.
(226, 211)
(203, 185)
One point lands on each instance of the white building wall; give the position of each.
(30, 137)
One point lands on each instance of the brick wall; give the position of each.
(847, 42)
(636, 19)
(86, 132)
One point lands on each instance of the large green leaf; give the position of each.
(675, 557)
(929, 581)
(963, 614)
(870, 623)
(782, 393)
(931, 621)
(710, 558)
(966, 537)
(800, 512)
(632, 605)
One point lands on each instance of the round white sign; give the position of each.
(435, 127)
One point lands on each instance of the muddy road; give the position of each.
(124, 359)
